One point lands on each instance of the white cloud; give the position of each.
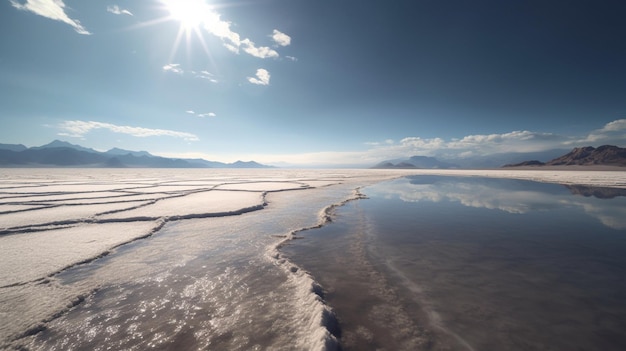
(201, 115)
(291, 58)
(52, 9)
(205, 75)
(78, 129)
(232, 48)
(260, 51)
(615, 126)
(174, 68)
(612, 133)
(118, 11)
(213, 23)
(378, 143)
(280, 38)
(262, 77)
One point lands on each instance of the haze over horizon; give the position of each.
(316, 83)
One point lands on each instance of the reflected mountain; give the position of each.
(599, 192)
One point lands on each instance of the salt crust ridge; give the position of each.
(322, 320)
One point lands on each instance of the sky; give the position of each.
(303, 82)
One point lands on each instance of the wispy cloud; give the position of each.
(205, 75)
(178, 69)
(281, 38)
(612, 133)
(262, 77)
(52, 9)
(201, 115)
(114, 9)
(78, 129)
(173, 68)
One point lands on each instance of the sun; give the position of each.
(189, 13)
(192, 16)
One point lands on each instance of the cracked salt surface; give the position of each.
(206, 277)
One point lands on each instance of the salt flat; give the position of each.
(53, 220)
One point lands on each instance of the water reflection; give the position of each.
(513, 196)
(599, 192)
(463, 263)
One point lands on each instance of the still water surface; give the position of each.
(461, 263)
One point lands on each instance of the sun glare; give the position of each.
(192, 16)
(190, 13)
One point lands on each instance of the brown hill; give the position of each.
(606, 155)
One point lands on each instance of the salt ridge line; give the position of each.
(322, 321)
(144, 203)
(160, 221)
(158, 226)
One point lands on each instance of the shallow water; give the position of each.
(449, 263)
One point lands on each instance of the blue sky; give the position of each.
(313, 82)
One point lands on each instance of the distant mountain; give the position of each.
(64, 144)
(388, 164)
(198, 162)
(63, 154)
(470, 162)
(500, 159)
(121, 152)
(598, 192)
(13, 147)
(246, 164)
(606, 155)
(416, 162)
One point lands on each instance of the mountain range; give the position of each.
(605, 155)
(416, 162)
(469, 162)
(63, 154)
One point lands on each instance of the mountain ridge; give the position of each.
(416, 162)
(63, 154)
(470, 162)
(605, 155)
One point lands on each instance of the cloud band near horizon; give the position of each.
(485, 144)
(78, 129)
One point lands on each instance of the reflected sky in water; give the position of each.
(506, 264)
(469, 263)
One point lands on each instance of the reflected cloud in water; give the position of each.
(607, 205)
